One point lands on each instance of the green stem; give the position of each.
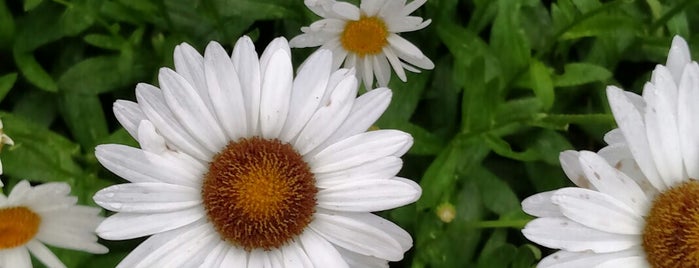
(517, 224)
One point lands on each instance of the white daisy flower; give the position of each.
(243, 165)
(366, 38)
(31, 217)
(638, 201)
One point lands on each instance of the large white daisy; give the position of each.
(366, 38)
(243, 165)
(46, 214)
(638, 201)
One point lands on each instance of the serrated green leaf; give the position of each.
(6, 83)
(38, 154)
(85, 118)
(31, 4)
(34, 72)
(580, 73)
(541, 83)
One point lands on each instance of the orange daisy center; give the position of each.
(671, 234)
(18, 225)
(366, 36)
(259, 193)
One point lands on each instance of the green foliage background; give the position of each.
(515, 83)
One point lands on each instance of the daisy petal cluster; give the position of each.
(366, 37)
(637, 204)
(32, 217)
(243, 164)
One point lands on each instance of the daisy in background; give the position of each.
(31, 217)
(638, 201)
(366, 38)
(243, 165)
(4, 139)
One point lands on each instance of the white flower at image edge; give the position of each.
(4, 140)
(31, 217)
(638, 201)
(243, 165)
(366, 38)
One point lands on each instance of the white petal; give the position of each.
(566, 259)
(353, 233)
(261, 259)
(44, 254)
(159, 250)
(358, 260)
(149, 139)
(152, 103)
(540, 205)
(687, 112)
(359, 149)
(613, 182)
(19, 192)
(123, 225)
(661, 128)
(129, 115)
(295, 257)
(308, 90)
(191, 111)
(630, 122)
(225, 91)
(369, 195)
(678, 57)
(328, 117)
(346, 10)
(573, 170)
(614, 136)
(235, 257)
(276, 92)
(320, 251)
(412, 6)
(147, 197)
(216, 256)
(380, 169)
(152, 244)
(395, 62)
(409, 52)
(382, 70)
(16, 258)
(275, 46)
(598, 211)
(190, 65)
(191, 252)
(561, 233)
(365, 111)
(371, 7)
(137, 165)
(367, 71)
(247, 65)
(630, 262)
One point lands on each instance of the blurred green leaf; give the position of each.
(541, 83)
(38, 154)
(84, 116)
(7, 26)
(503, 148)
(34, 72)
(507, 39)
(497, 196)
(96, 75)
(600, 25)
(6, 83)
(579, 73)
(31, 4)
(104, 41)
(561, 121)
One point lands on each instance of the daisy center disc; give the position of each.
(671, 234)
(18, 225)
(364, 36)
(259, 193)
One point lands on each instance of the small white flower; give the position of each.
(243, 165)
(4, 139)
(46, 214)
(638, 205)
(366, 38)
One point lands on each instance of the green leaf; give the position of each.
(31, 4)
(425, 142)
(38, 154)
(508, 40)
(561, 121)
(7, 26)
(541, 83)
(34, 72)
(503, 148)
(405, 99)
(602, 24)
(6, 83)
(522, 109)
(580, 73)
(95, 75)
(438, 182)
(104, 41)
(252, 9)
(500, 257)
(497, 195)
(85, 118)
(526, 256)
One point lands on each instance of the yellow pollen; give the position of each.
(259, 193)
(671, 234)
(366, 36)
(18, 225)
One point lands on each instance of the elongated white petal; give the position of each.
(147, 197)
(295, 257)
(359, 149)
(380, 169)
(661, 128)
(131, 225)
(320, 251)
(369, 195)
(225, 92)
(565, 234)
(678, 57)
(129, 115)
(365, 111)
(541, 205)
(276, 90)
(44, 254)
(566, 259)
(598, 211)
(687, 112)
(247, 65)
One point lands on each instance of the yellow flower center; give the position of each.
(671, 234)
(364, 36)
(259, 193)
(18, 225)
